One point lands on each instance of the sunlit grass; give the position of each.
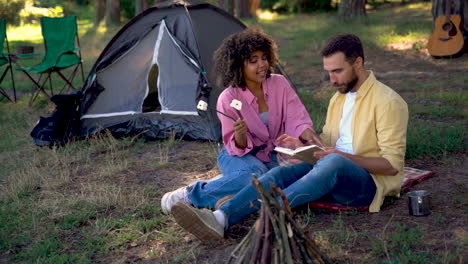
(266, 15)
(415, 8)
(29, 32)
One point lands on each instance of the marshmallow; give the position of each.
(202, 105)
(236, 104)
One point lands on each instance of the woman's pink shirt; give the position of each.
(286, 114)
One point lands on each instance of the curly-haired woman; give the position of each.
(270, 108)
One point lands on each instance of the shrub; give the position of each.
(10, 9)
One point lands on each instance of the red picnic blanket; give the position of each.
(412, 176)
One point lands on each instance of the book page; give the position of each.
(305, 153)
(284, 150)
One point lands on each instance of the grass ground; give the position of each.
(97, 201)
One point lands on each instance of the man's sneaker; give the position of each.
(170, 198)
(200, 222)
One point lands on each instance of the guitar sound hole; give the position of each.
(447, 26)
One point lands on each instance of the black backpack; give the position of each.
(62, 125)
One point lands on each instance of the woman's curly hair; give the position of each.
(229, 57)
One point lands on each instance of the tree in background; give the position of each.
(112, 12)
(351, 9)
(140, 6)
(243, 9)
(254, 4)
(227, 5)
(10, 9)
(240, 8)
(99, 9)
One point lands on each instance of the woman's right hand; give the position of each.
(240, 131)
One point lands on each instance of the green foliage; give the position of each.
(53, 3)
(10, 9)
(128, 8)
(68, 7)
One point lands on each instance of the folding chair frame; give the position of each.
(10, 57)
(68, 81)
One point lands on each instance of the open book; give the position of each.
(305, 153)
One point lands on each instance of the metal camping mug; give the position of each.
(419, 203)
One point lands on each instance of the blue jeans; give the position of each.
(237, 173)
(334, 175)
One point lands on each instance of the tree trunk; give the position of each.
(98, 11)
(112, 12)
(140, 6)
(254, 4)
(231, 7)
(350, 9)
(222, 4)
(243, 9)
(157, 1)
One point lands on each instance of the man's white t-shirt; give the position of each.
(345, 141)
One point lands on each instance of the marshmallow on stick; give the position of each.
(236, 104)
(203, 106)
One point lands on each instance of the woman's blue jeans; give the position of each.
(334, 175)
(237, 173)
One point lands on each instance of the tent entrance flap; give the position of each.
(177, 82)
(125, 87)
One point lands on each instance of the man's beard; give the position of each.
(349, 86)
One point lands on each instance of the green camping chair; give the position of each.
(60, 53)
(6, 59)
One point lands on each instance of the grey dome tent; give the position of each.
(150, 77)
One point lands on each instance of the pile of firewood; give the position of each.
(275, 236)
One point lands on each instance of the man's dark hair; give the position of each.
(229, 57)
(349, 44)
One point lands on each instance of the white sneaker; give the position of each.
(201, 223)
(170, 198)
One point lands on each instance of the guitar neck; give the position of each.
(447, 10)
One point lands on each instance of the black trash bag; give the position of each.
(62, 125)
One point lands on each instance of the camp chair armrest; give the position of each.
(11, 57)
(61, 54)
(28, 55)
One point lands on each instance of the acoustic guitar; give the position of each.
(447, 39)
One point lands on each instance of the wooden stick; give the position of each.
(284, 199)
(258, 236)
(305, 257)
(294, 247)
(275, 236)
(306, 238)
(284, 236)
(266, 250)
(239, 249)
